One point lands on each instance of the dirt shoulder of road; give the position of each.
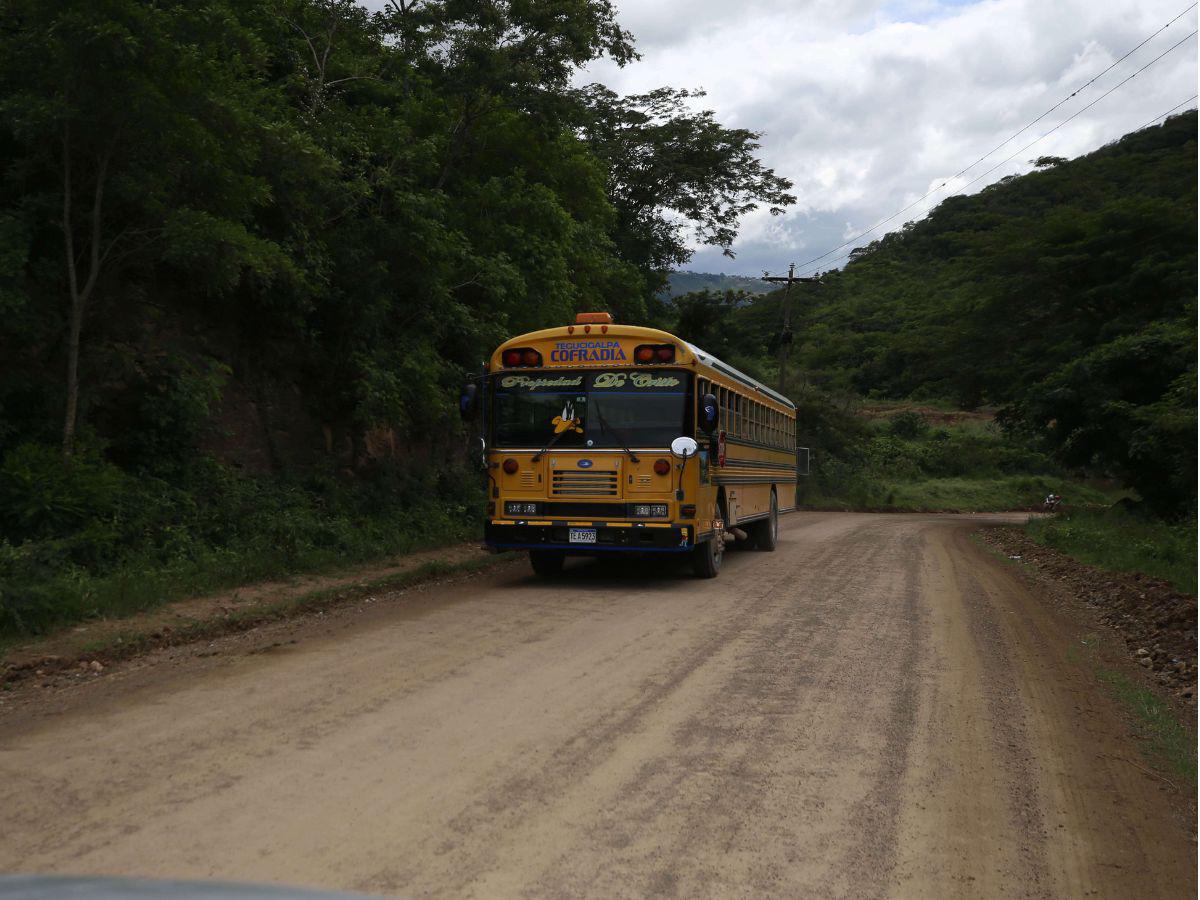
(1156, 622)
(1136, 636)
(86, 650)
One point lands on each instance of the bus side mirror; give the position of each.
(468, 399)
(710, 415)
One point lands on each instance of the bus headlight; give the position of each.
(650, 510)
(520, 508)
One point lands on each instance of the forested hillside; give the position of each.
(680, 283)
(249, 250)
(1065, 298)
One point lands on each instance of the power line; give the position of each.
(846, 256)
(1073, 115)
(1079, 111)
(1168, 112)
(1079, 89)
(1023, 128)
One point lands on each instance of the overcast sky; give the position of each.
(867, 105)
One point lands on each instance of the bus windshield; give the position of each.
(638, 408)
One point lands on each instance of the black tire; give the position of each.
(547, 562)
(766, 532)
(706, 557)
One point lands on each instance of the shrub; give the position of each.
(908, 424)
(44, 494)
(82, 539)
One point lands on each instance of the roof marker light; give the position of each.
(593, 318)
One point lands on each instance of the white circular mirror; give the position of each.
(683, 447)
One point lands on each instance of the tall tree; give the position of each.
(125, 119)
(670, 167)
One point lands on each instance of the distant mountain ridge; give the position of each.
(680, 283)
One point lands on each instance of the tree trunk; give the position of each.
(72, 377)
(80, 295)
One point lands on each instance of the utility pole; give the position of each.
(785, 336)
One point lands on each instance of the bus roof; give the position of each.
(724, 368)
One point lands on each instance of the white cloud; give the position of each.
(868, 105)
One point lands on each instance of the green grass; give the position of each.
(134, 640)
(1166, 743)
(963, 494)
(1121, 541)
(73, 594)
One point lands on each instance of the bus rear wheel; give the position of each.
(706, 557)
(766, 532)
(547, 562)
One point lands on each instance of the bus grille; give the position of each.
(566, 483)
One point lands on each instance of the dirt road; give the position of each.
(877, 709)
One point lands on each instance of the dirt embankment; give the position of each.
(939, 418)
(1157, 622)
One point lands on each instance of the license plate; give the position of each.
(582, 535)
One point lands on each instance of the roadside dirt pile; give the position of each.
(1157, 622)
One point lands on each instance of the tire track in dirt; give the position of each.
(875, 710)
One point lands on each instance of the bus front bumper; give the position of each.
(635, 537)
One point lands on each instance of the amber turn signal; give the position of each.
(510, 466)
(661, 467)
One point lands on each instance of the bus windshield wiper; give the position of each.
(606, 427)
(550, 443)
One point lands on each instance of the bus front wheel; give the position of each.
(546, 562)
(706, 557)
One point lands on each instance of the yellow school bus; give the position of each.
(601, 438)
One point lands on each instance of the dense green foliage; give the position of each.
(902, 462)
(101, 541)
(278, 235)
(1065, 297)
